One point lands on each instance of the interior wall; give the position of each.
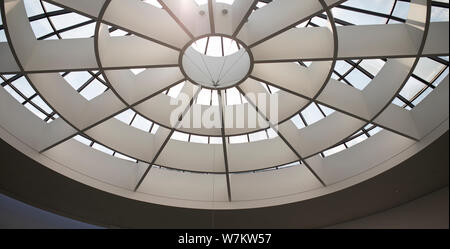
(430, 211)
(427, 212)
(28, 181)
(15, 214)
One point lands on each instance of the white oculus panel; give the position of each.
(216, 72)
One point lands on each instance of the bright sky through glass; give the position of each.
(213, 46)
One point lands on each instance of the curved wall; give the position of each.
(26, 180)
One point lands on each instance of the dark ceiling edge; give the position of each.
(425, 172)
(381, 212)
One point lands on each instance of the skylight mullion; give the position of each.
(440, 60)
(404, 100)
(418, 94)
(132, 119)
(320, 109)
(48, 14)
(85, 84)
(29, 99)
(438, 75)
(57, 32)
(357, 134)
(302, 63)
(303, 119)
(221, 43)
(347, 72)
(50, 116)
(244, 18)
(97, 77)
(366, 132)
(341, 78)
(311, 24)
(10, 80)
(175, 18)
(207, 44)
(369, 12)
(50, 21)
(16, 90)
(155, 157)
(300, 158)
(210, 101)
(151, 127)
(357, 66)
(336, 20)
(429, 84)
(212, 24)
(391, 12)
(439, 4)
(268, 88)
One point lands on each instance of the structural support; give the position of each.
(118, 16)
(245, 18)
(300, 158)
(175, 18)
(322, 101)
(211, 16)
(224, 141)
(180, 118)
(131, 106)
(259, 28)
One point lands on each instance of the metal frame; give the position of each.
(354, 65)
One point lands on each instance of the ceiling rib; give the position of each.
(300, 158)
(244, 19)
(296, 23)
(224, 142)
(102, 70)
(114, 24)
(115, 114)
(176, 19)
(368, 121)
(180, 118)
(19, 63)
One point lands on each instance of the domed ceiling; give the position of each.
(223, 104)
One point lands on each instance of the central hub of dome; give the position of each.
(216, 62)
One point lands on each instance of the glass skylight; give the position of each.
(20, 89)
(62, 24)
(154, 3)
(216, 46)
(50, 22)
(88, 84)
(202, 2)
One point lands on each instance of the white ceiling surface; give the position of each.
(207, 70)
(406, 133)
